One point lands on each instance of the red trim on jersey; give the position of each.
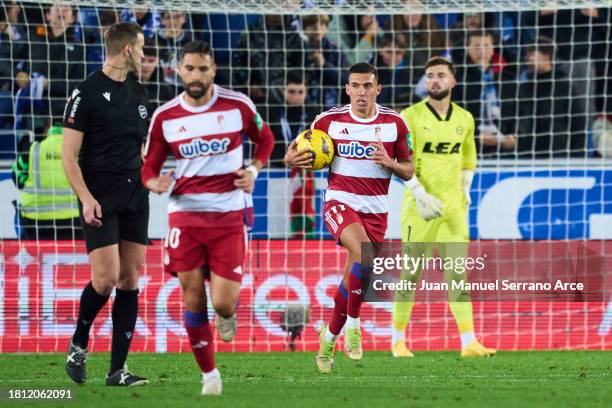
(359, 185)
(209, 218)
(205, 184)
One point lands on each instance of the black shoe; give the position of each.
(123, 378)
(76, 363)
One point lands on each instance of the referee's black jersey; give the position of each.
(113, 118)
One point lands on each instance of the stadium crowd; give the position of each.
(538, 83)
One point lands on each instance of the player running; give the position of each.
(202, 127)
(371, 144)
(438, 196)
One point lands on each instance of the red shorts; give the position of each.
(221, 249)
(338, 216)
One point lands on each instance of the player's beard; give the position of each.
(197, 94)
(438, 96)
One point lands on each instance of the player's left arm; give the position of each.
(469, 161)
(261, 135)
(155, 152)
(401, 165)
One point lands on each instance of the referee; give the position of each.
(105, 123)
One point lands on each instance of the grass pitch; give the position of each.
(431, 379)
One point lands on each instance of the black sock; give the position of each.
(125, 313)
(90, 306)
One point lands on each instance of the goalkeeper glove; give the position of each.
(429, 206)
(466, 184)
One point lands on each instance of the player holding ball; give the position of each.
(371, 143)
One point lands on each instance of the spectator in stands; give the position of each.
(13, 43)
(94, 40)
(486, 90)
(576, 33)
(149, 20)
(55, 66)
(461, 28)
(393, 72)
(325, 63)
(48, 206)
(12, 50)
(287, 121)
(263, 55)
(290, 118)
(152, 77)
(482, 22)
(11, 27)
(170, 38)
(423, 40)
(355, 35)
(550, 124)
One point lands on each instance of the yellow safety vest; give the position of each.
(47, 194)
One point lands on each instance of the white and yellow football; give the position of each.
(319, 144)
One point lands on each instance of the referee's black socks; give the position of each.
(125, 313)
(90, 306)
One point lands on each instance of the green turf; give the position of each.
(431, 379)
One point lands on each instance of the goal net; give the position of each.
(534, 74)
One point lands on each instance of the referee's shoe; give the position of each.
(123, 378)
(75, 363)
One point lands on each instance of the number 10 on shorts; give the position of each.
(172, 238)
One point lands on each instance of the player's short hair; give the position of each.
(439, 60)
(363, 68)
(120, 34)
(295, 77)
(310, 20)
(480, 33)
(196, 47)
(543, 45)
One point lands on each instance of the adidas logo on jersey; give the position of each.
(182, 129)
(199, 147)
(355, 149)
(344, 131)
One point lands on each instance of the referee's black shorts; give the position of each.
(125, 209)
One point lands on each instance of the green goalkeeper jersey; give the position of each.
(442, 147)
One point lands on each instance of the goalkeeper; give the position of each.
(437, 198)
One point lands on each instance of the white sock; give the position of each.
(329, 336)
(398, 335)
(467, 338)
(353, 322)
(211, 374)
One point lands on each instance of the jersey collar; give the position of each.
(435, 113)
(366, 120)
(199, 109)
